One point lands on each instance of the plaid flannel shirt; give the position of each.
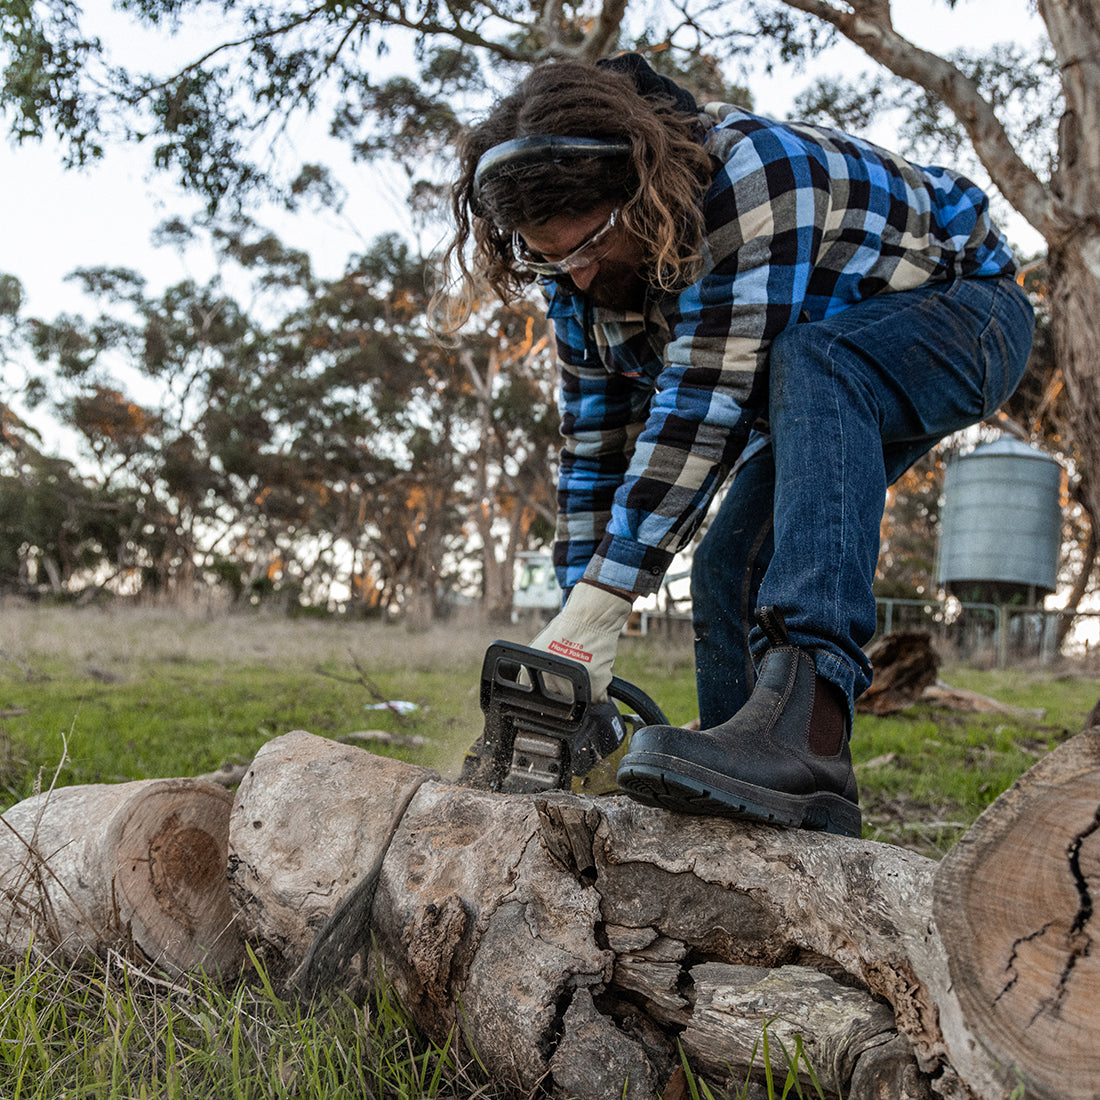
(801, 222)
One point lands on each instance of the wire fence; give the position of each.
(1000, 634)
(997, 635)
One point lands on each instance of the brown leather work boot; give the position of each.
(783, 758)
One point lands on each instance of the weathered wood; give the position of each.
(833, 1024)
(125, 865)
(228, 775)
(310, 818)
(510, 917)
(906, 673)
(576, 943)
(905, 664)
(1015, 902)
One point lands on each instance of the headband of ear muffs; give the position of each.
(651, 84)
(513, 156)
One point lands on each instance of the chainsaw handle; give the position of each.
(646, 709)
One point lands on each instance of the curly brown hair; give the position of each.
(658, 186)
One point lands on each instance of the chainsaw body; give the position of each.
(542, 728)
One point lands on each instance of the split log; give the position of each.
(129, 865)
(571, 939)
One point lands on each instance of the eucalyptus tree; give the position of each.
(319, 441)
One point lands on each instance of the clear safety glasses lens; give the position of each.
(589, 252)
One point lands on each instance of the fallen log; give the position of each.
(576, 944)
(944, 695)
(574, 940)
(907, 673)
(126, 866)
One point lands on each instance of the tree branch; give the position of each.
(605, 33)
(247, 40)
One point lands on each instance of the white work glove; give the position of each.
(587, 631)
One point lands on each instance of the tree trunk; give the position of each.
(113, 866)
(1080, 586)
(1075, 328)
(574, 940)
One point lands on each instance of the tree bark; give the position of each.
(570, 939)
(1074, 268)
(138, 865)
(511, 919)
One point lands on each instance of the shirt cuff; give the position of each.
(629, 566)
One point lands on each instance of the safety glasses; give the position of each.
(590, 251)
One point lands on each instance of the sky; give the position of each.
(52, 220)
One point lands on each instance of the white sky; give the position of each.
(52, 221)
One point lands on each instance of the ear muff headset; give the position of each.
(510, 157)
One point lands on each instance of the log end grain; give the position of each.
(119, 866)
(170, 885)
(1015, 907)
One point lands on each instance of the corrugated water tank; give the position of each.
(1001, 519)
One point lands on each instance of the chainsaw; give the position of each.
(543, 731)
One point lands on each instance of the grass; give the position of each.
(926, 773)
(155, 694)
(139, 694)
(109, 1028)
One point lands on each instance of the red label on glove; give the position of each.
(565, 648)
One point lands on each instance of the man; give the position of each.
(729, 293)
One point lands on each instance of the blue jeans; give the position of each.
(854, 401)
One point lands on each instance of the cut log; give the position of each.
(129, 865)
(1015, 902)
(577, 944)
(575, 941)
(310, 819)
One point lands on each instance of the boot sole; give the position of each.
(670, 783)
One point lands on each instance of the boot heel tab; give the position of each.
(771, 622)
